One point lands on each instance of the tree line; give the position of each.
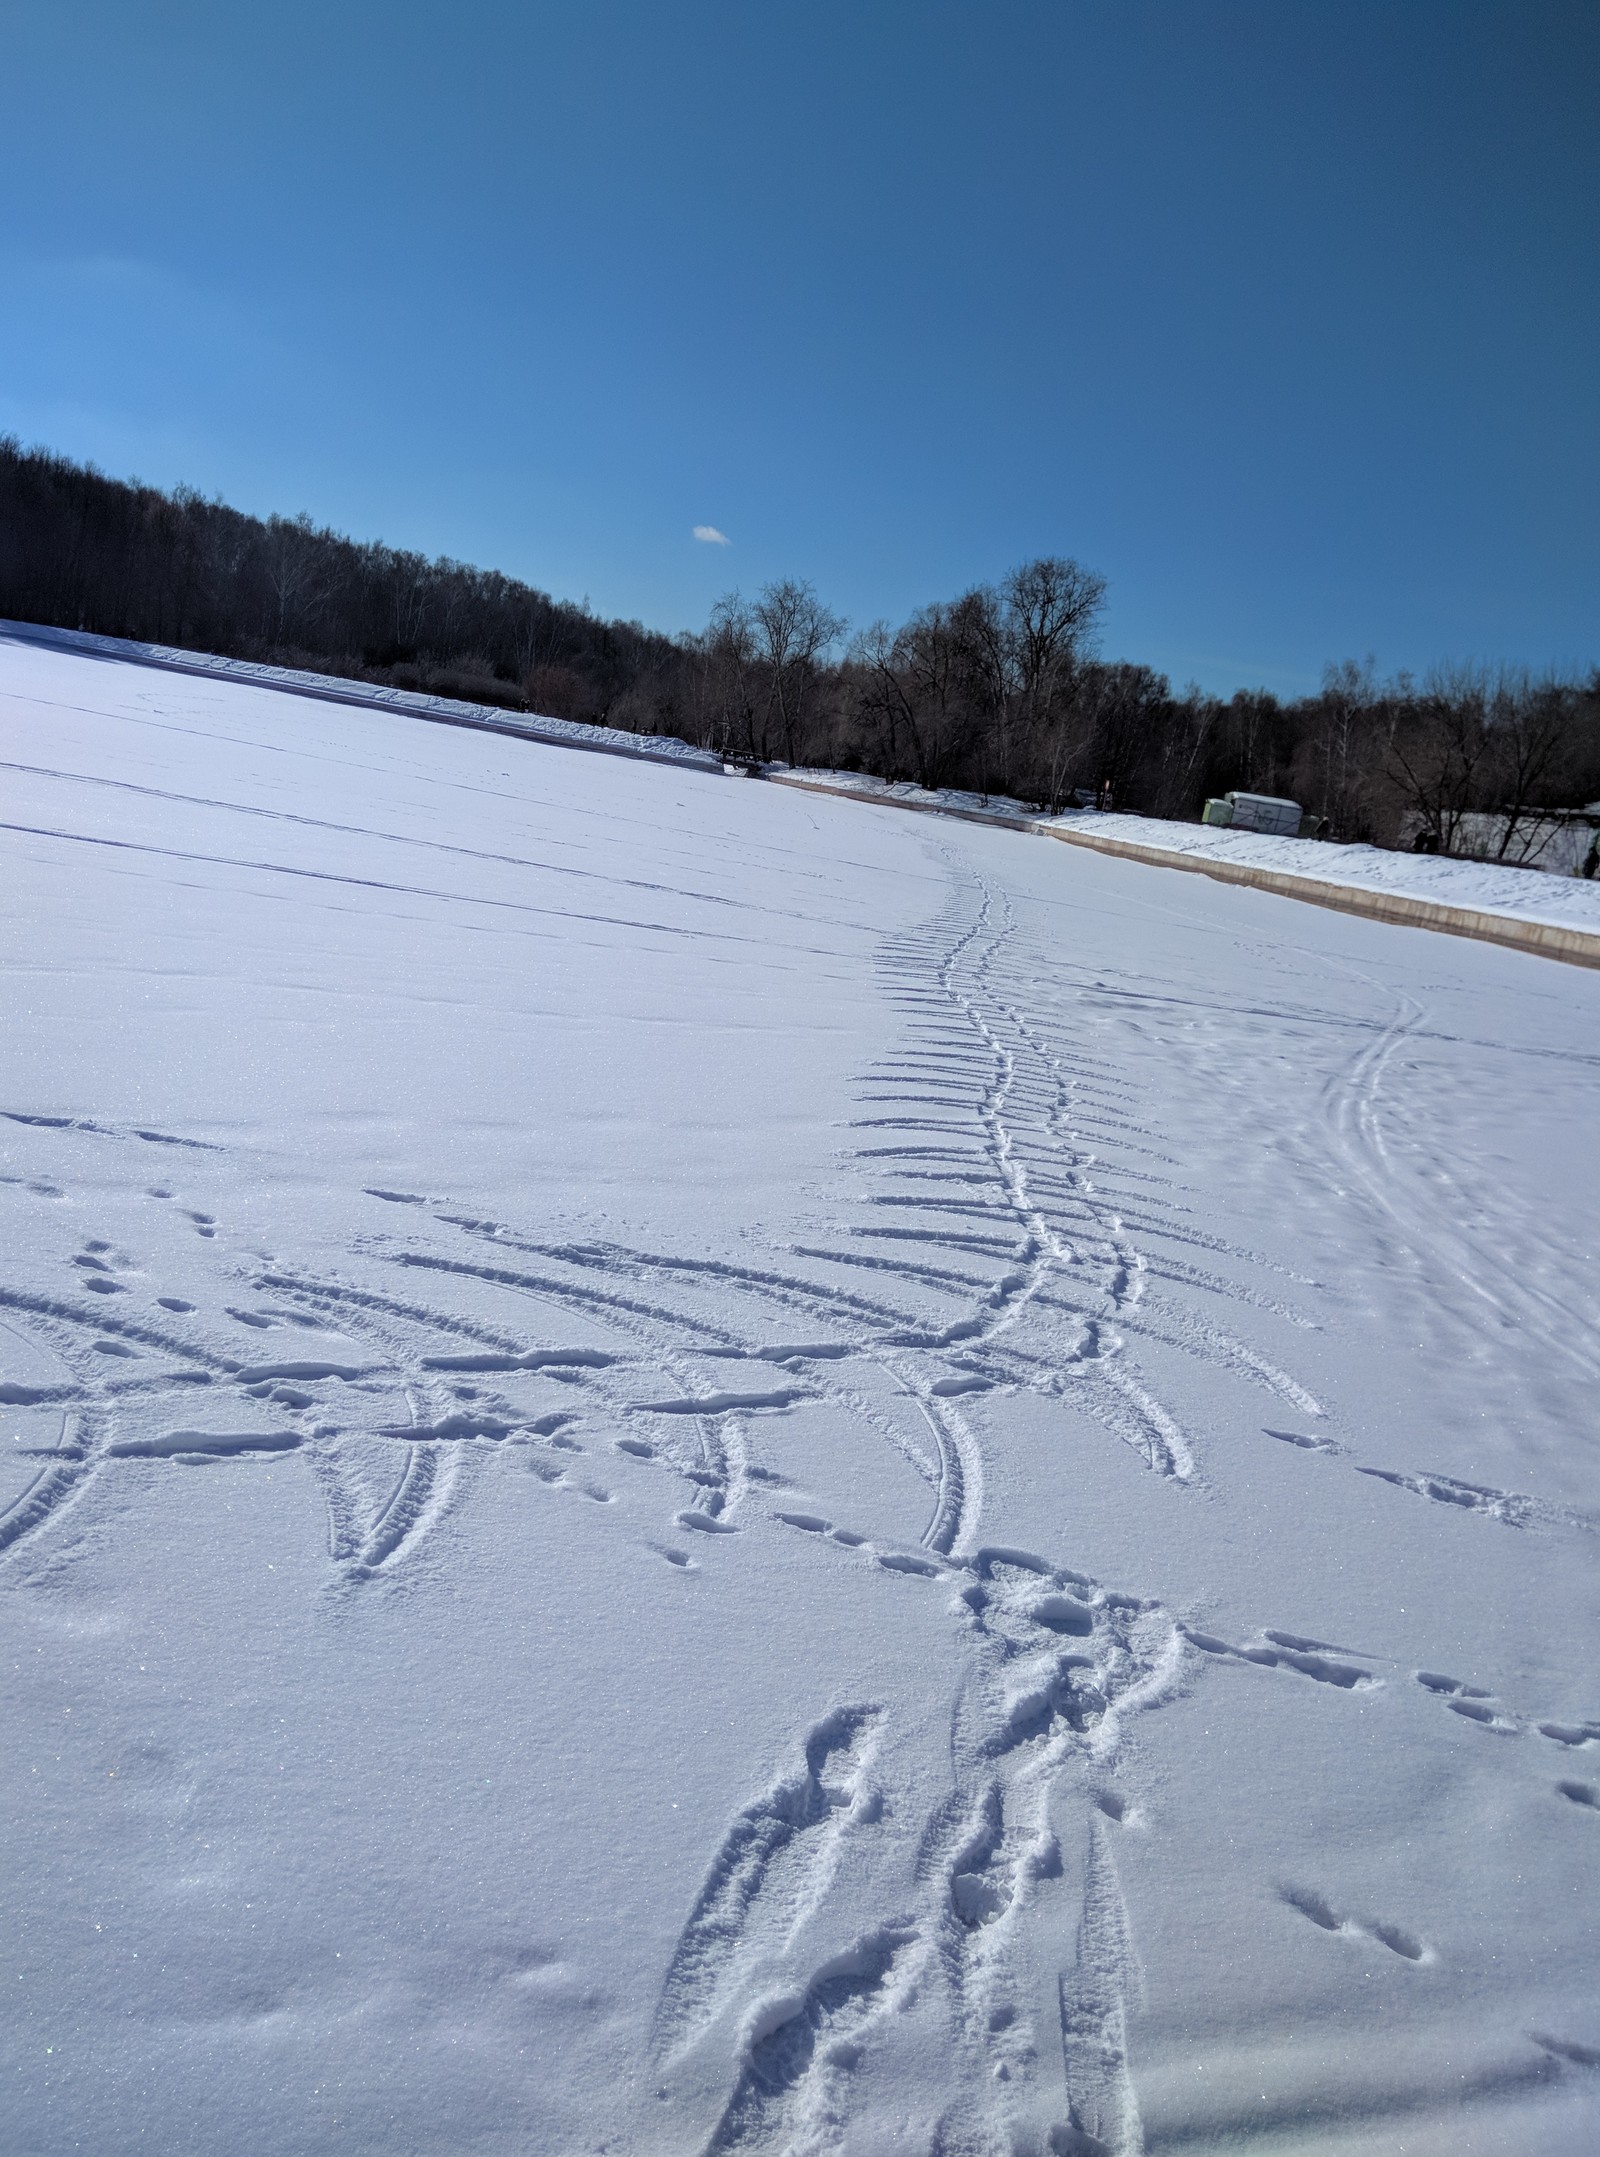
(81, 551)
(1001, 690)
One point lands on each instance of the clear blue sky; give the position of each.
(1284, 316)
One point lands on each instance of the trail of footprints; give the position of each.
(1042, 1286)
(1057, 1661)
(1328, 1664)
(993, 1258)
(1512, 1508)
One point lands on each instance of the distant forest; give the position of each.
(1000, 690)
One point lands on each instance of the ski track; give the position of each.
(989, 1258)
(1492, 1273)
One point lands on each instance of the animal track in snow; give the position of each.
(1321, 1913)
(1512, 1508)
(1306, 1442)
(453, 1429)
(1436, 1682)
(1501, 1505)
(107, 1130)
(100, 1272)
(533, 1359)
(1560, 2048)
(203, 1445)
(109, 1359)
(705, 1523)
(259, 1373)
(1476, 1705)
(1286, 1651)
(1484, 1715)
(16, 1395)
(1002, 1849)
(910, 1563)
(722, 1404)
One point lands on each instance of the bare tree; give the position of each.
(723, 663)
(1051, 607)
(793, 629)
(1335, 758)
(915, 685)
(1533, 729)
(978, 623)
(1438, 754)
(989, 677)
(1253, 727)
(1121, 708)
(297, 569)
(1185, 746)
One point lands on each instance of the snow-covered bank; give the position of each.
(694, 1468)
(1482, 887)
(338, 689)
(1520, 894)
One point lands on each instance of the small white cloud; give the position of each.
(711, 536)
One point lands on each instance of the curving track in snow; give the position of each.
(715, 1476)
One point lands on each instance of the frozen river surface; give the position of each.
(698, 1470)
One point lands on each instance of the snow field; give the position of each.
(698, 1469)
(1562, 902)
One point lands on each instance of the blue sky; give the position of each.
(1285, 316)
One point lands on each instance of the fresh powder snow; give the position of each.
(694, 1468)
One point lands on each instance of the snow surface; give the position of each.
(338, 689)
(695, 1468)
(1487, 887)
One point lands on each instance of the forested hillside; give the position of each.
(1002, 689)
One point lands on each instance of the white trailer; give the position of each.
(1255, 812)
